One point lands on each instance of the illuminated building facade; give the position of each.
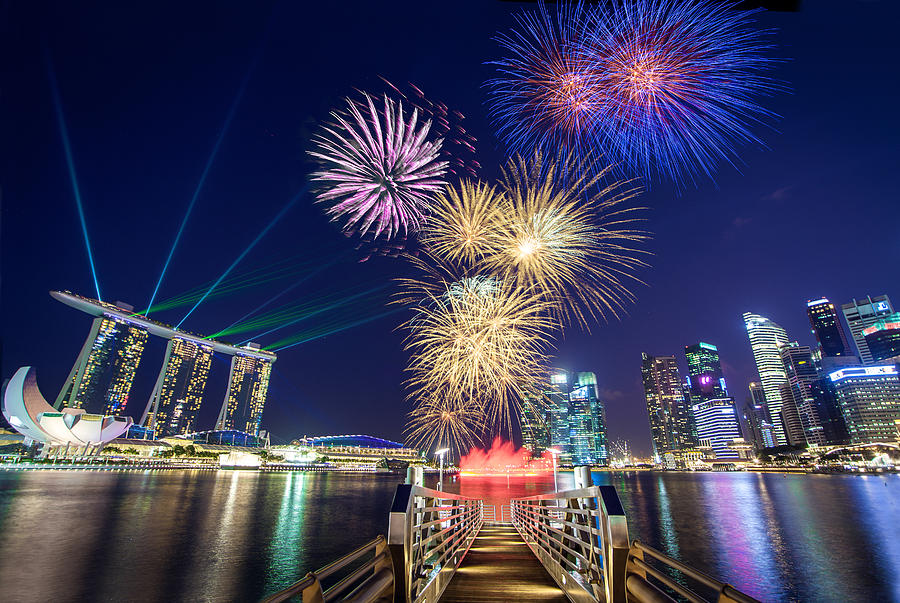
(535, 424)
(766, 337)
(705, 372)
(883, 338)
(802, 376)
(870, 400)
(755, 418)
(862, 314)
(717, 424)
(101, 379)
(557, 395)
(826, 326)
(245, 400)
(175, 401)
(669, 419)
(587, 422)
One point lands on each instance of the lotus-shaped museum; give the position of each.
(29, 414)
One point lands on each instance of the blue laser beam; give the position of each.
(339, 329)
(64, 133)
(243, 254)
(209, 162)
(333, 306)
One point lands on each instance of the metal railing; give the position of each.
(650, 578)
(429, 533)
(581, 538)
(491, 515)
(367, 576)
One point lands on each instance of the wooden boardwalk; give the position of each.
(501, 567)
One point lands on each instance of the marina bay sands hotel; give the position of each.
(101, 379)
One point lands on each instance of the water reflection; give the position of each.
(237, 535)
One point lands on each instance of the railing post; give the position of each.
(614, 528)
(398, 537)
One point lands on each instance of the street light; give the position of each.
(441, 454)
(554, 452)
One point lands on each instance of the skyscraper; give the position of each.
(248, 384)
(766, 337)
(705, 372)
(173, 405)
(535, 424)
(802, 376)
(870, 400)
(826, 326)
(717, 423)
(756, 418)
(101, 379)
(883, 338)
(587, 422)
(862, 314)
(669, 420)
(557, 396)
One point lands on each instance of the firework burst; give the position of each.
(477, 341)
(378, 170)
(441, 421)
(567, 238)
(661, 87)
(463, 224)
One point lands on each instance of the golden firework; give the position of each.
(572, 239)
(477, 341)
(440, 421)
(463, 222)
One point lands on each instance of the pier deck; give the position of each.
(501, 567)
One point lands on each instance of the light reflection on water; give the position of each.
(237, 535)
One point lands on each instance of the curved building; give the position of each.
(766, 340)
(29, 414)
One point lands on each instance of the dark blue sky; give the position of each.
(146, 88)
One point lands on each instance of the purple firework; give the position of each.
(377, 170)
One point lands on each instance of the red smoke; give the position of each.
(503, 458)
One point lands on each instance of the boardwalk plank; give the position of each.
(501, 567)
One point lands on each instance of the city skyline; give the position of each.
(142, 122)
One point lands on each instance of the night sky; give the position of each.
(146, 88)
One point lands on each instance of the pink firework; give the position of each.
(378, 170)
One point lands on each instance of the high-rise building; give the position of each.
(766, 337)
(557, 396)
(826, 326)
(535, 424)
(705, 372)
(717, 424)
(862, 314)
(669, 419)
(587, 422)
(101, 379)
(248, 384)
(802, 379)
(870, 400)
(175, 401)
(755, 419)
(883, 338)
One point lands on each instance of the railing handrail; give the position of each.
(310, 585)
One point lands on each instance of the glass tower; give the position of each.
(717, 423)
(826, 326)
(705, 372)
(883, 338)
(766, 337)
(101, 379)
(173, 406)
(248, 384)
(557, 396)
(669, 421)
(535, 424)
(587, 422)
(862, 314)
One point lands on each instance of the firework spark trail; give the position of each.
(663, 88)
(377, 170)
(441, 422)
(571, 240)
